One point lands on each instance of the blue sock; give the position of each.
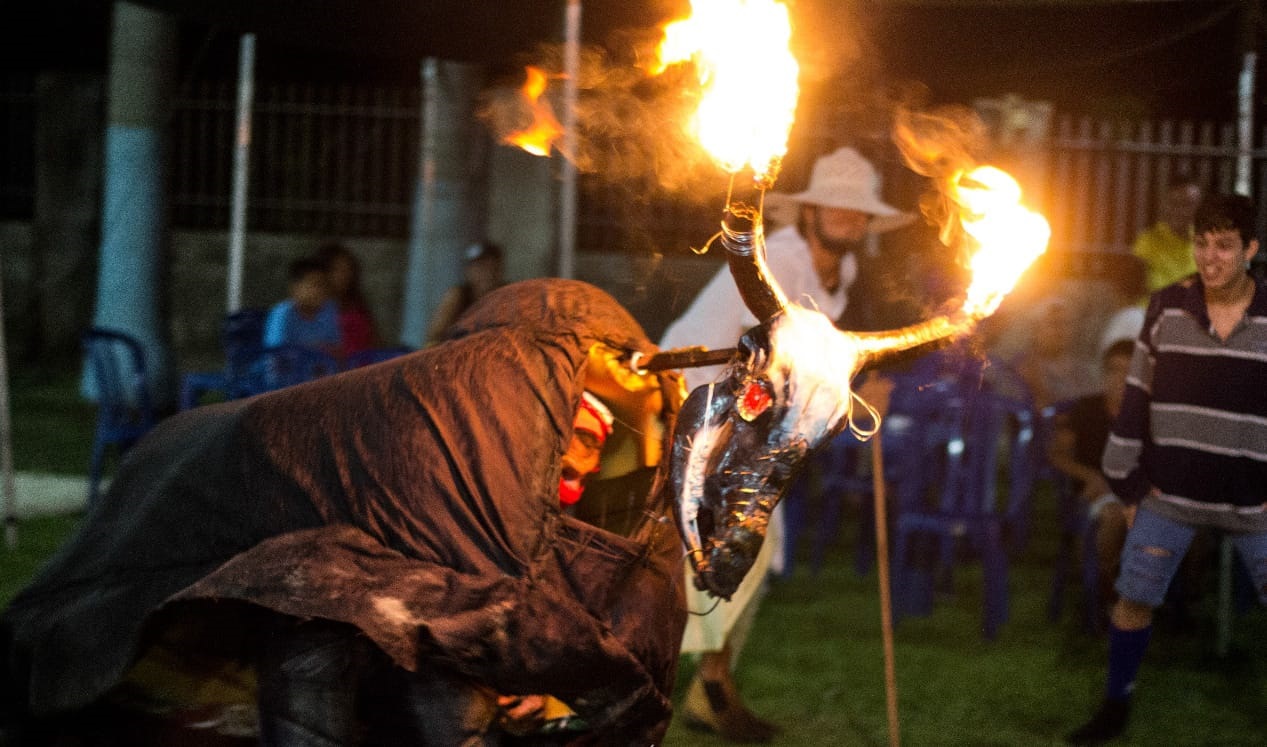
(1126, 651)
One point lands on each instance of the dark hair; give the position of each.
(327, 253)
(1226, 213)
(1125, 346)
(303, 267)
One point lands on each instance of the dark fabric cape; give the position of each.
(415, 499)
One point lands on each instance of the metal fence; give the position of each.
(342, 160)
(324, 159)
(1104, 179)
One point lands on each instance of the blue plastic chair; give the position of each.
(241, 335)
(966, 503)
(125, 411)
(282, 366)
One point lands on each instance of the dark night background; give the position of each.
(1157, 59)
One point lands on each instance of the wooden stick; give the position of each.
(886, 598)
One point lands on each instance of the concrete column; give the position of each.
(134, 226)
(449, 205)
(521, 211)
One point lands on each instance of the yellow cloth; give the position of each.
(1167, 255)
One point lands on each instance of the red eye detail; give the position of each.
(754, 400)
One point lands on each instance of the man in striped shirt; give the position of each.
(1189, 447)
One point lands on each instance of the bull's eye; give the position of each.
(754, 400)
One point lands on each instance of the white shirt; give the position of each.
(717, 318)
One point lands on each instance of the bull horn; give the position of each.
(874, 347)
(744, 240)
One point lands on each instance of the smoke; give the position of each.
(631, 127)
(940, 144)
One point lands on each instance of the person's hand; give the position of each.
(1128, 512)
(521, 714)
(1094, 487)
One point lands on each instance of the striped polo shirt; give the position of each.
(1193, 421)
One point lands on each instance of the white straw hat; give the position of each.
(843, 179)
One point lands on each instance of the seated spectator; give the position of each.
(1051, 369)
(481, 274)
(1076, 447)
(356, 322)
(309, 317)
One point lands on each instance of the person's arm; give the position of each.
(1061, 456)
(275, 325)
(1121, 462)
(445, 315)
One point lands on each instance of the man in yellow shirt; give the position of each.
(1166, 246)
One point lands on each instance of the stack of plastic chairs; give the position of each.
(124, 408)
(952, 503)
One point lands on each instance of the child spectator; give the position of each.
(1076, 447)
(309, 316)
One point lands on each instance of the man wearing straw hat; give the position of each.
(814, 260)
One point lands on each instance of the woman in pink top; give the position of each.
(356, 322)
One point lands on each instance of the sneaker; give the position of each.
(1107, 724)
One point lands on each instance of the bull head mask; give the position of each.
(738, 442)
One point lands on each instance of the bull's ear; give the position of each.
(753, 399)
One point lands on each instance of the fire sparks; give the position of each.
(747, 77)
(537, 137)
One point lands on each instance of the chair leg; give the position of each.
(825, 534)
(1060, 576)
(864, 552)
(1091, 573)
(994, 572)
(94, 469)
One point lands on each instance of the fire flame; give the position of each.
(545, 128)
(747, 77)
(1008, 236)
(1004, 239)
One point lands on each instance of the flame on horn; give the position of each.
(747, 80)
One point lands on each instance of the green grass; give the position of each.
(52, 424)
(814, 664)
(814, 660)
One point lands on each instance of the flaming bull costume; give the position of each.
(416, 504)
(416, 501)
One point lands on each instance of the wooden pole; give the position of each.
(886, 598)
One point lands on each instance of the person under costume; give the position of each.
(404, 516)
(813, 260)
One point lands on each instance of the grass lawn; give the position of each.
(814, 660)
